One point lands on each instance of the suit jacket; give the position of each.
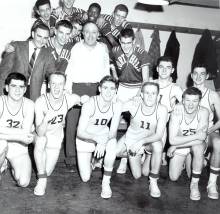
(18, 61)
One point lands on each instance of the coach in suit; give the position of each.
(31, 59)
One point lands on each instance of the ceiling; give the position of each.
(198, 3)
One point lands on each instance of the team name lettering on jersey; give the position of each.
(133, 60)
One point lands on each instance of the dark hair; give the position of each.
(39, 25)
(164, 59)
(59, 73)
(127, 33)
(15, 76)
(199, 65)
(95, 5)
(192, 91)
(108, 78)
(150, 83)
(41, 2)
(121, 7)
(64, 23)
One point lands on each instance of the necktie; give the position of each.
(31, 62)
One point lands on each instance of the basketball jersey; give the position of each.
(10, 120)
(62, 59)
(205, 102)
(165, 96)
(99, 120)
(56, 117)
(129, 69)
(190, 128)
(141, 124)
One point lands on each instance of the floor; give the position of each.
(67, 194)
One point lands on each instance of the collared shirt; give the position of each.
(87, 65)
(31, 51)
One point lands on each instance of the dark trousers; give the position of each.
(72, 119)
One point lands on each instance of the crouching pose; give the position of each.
(188, 130)
(16, 120)
(147, 126)
(50, 112)
(93, 134)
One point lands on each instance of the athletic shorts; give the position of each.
(16, 149)
(83, 146)
(54, 142)
(125, 93)
(182, 151)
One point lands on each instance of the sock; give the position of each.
(214, 172)
(153, 177)
(195, 176)
(107, 175)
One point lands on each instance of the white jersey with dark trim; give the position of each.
(205, 102)
(7, 118)
(99, 120)
(56, 117)
(188, 128)
(141, 124)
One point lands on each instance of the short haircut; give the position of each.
(15, 76)
(41, 2)
(148, 84)
(64, 23)
(58, 73)
(121, 7)
(95, 5)
(90, 22)
(40, 26)
(192, 91)
(199, 65)
(127, 33)
(108, 78)
(165, 59)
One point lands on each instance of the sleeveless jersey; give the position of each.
(10, 120)
(205, 102)
(99, 120)
(56, 117)
(141, 124)
(190, 128)
(165, 96)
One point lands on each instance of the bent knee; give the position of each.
(136, 175)
(23, 182)
(4, 146)
(174, 177)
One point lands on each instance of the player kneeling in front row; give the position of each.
(147, 125)
(187, 133)
(93, 134)
(16, 120)
(50, 112)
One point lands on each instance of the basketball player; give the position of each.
(147, 125)
(93, 132)
(210, 100)
(170, 93)
(187, 133)
(50, 112)
(16, 120)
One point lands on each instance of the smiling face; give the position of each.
(56, 85)
(191, 103)
(16, 89)
(165, 69)
(199, 75)
(93, 14)
(150, 95)
(62, 35)
(119, 17)
(68, 3)
(90, 34)
(40, 37)
(107, 91)
(44, 11)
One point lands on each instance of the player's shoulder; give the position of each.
(176, 88)
(40, 100)
(213, 96)
(203, 110)
(162, 109)
(28, 102)
(116, 49)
